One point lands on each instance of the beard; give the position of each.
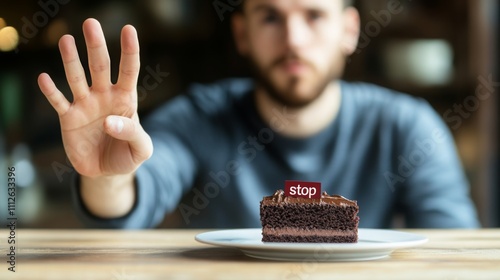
(288, 95)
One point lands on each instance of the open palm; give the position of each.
(101, 132)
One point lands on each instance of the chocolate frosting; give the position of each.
(280, 198)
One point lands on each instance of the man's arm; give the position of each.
(159, 182)
(436, 193)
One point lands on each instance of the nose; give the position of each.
(298, 33)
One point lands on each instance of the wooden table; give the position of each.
(174, 254)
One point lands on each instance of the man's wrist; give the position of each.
(108, 196)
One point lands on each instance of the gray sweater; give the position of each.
(214, 159)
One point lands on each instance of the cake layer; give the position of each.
(310, 216)
(308, 232)
(279, 198)
(310, 239)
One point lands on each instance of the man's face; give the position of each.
(296, 46)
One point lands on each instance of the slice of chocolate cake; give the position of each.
(329, 219)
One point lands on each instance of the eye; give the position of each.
(315, 15)
(271, 17)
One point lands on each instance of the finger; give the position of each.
(99, 64)
(55, 97)
(130, 61)
(73, 67)
(130, 130)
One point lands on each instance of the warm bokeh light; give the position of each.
(2, 23)
(56, 29)
(9, 38)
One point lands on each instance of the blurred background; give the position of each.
(445, 51)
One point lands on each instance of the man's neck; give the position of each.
(300, 122)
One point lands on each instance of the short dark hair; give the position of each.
(239, 8)
(348, 3)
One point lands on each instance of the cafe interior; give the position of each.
(440, 50)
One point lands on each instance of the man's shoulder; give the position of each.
(366, 94)
(372, 97)
(219, 94)
(200, 102)
(204, 99)
(368, 103)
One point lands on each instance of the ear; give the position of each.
(352, 25)
(240, 33)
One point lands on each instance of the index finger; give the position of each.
(55, 97)
(129, 61)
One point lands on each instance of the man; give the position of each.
(224, 146)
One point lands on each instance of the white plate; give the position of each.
(372, 244)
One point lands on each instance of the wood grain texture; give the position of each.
(174, 254)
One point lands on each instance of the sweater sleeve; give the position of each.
(435, 191)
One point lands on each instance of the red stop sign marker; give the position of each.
(303, 189)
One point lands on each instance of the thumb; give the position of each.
(130, 130)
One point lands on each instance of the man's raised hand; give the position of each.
(101, 132)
